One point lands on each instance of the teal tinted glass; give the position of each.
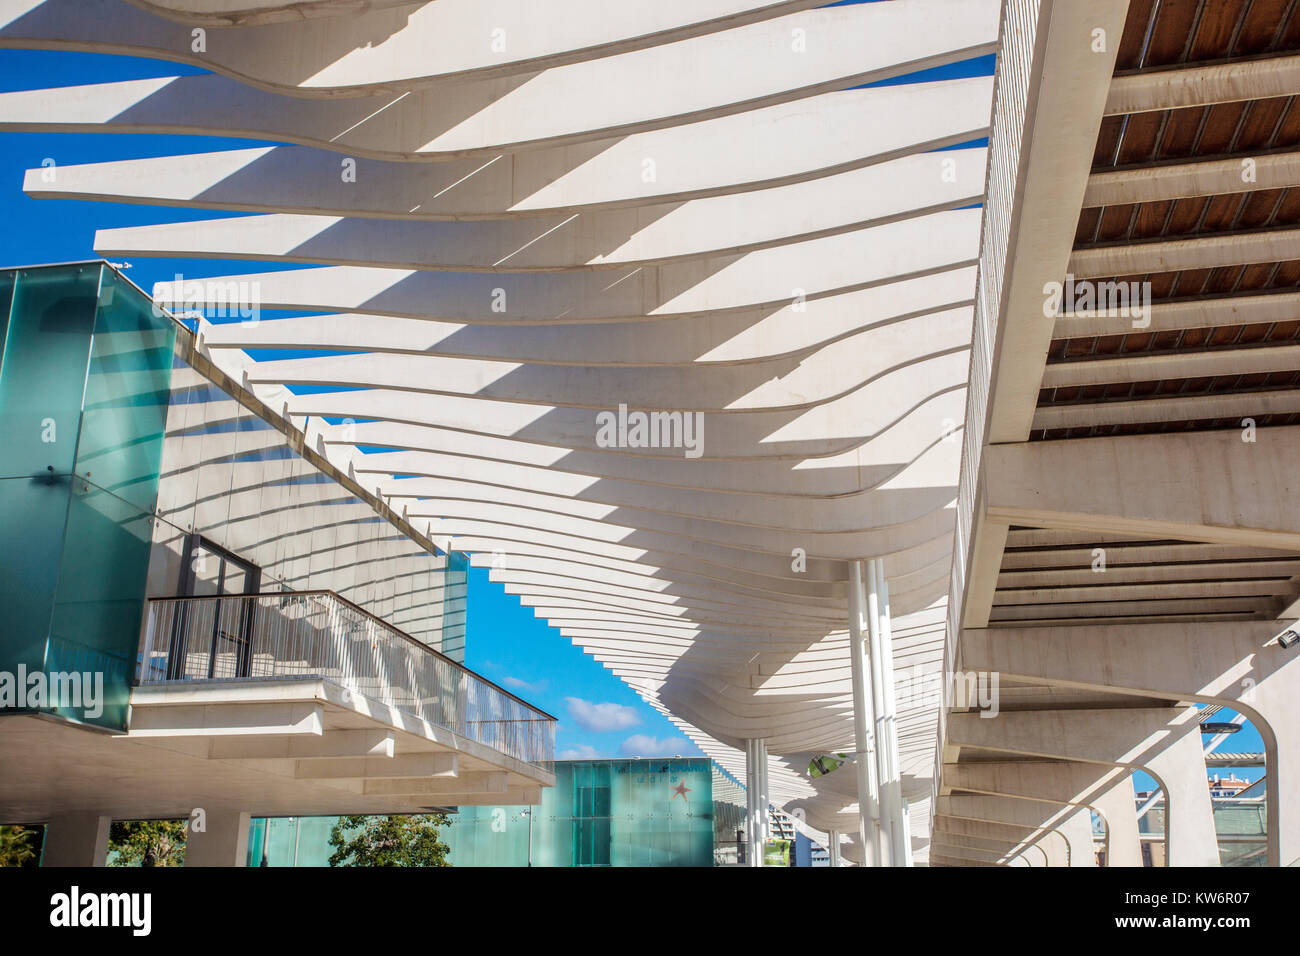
(453, 621)
(6, 298)
(32, 516)
(47, 351)
(124, 414)
(84, 387)
(49, 314)
(599, 813)
(103, 569)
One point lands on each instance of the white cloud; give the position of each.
(600, 718)
(580, 752)
(517, 684)
(643, 745)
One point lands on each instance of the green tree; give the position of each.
(20, 846)
(389, 841)
(147, 842)
(823, 764)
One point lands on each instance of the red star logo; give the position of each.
(681, 790)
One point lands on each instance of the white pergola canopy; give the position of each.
(675, 207)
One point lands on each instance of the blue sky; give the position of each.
(599, 714)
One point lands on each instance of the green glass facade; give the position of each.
(599, 813)
(85, 371)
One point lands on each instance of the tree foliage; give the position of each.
(147, 842)
(823, 764)
(20, 846)
(389, 841)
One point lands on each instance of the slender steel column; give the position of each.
(880, 724)
(892, 822)
(751, 800)
(756, 800)
(907, 835)
(833, 837)
(864, 763)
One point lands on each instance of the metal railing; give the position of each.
(320, 634)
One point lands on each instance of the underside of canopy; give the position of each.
(662, 311)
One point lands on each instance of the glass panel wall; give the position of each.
(656, 812)
(234, 485)
(84, 383)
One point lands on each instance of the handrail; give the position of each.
(318, 633)
(378, 620)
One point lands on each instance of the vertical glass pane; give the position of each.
(128, 386)
(47, 350)
(32, 516)
(206, 568)
(83, 397)
(236, 580)
(95, 627)
(49, 314)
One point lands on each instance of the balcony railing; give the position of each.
(319, 634)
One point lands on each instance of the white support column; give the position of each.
(892, 821)
(864, 763)
(222, 842)
(1117, 807)
(907, 834)
(76, 839)
(833, 841)
(750, 790)
(884, 832)
(756, 824)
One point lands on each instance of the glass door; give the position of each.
(222, 628)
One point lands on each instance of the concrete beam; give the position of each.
(1152, 90)
(1054, 169)
(1178, 408)
(1001, 835)
(332, 744)
(466, 783)
(1192, 314)
(222, 842)
(973, 854)
(1161, 486)
(701, 80)
(372, 768)
(218, 720)
(310, 46)
(1034, 814)
(1030, 829)
(76, 839)
(1175, 255)
(1236, 664)
(1108, 792)
(1163, 742)
(1216, 177)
